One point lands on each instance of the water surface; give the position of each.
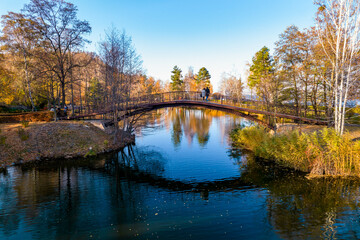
(182, 180)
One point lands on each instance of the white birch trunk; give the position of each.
(341, 16)
(28, 82)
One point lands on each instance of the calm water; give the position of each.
(181, 180)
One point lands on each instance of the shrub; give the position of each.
(23, 134)
(320, 153)
(24, 123)
(249, 137)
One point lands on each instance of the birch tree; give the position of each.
(338, 25)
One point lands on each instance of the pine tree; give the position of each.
(176, 79)
(262, 77)
(203, 78)
(261, 68)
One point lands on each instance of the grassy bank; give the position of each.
(20, 143)
(318, 153)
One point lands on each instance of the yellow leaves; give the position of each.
(6, 93)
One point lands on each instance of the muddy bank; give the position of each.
(41, 141)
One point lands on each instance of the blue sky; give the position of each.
(221, 35)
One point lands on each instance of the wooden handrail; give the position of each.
(146, 100)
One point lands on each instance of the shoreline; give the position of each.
(44, 141)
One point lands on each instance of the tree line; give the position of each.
(43, 63)
(191, 81)
(315, 69)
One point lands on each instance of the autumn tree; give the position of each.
(320, 92)
(122, 67)
(190, 81)
(148, 85)
(7, 91)
(231, 86)
(20, 37)
(62, 34)
(288, 52)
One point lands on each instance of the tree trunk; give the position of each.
(28, 83)
(63, 92)
(80, 99)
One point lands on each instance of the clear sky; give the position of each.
(221, 35)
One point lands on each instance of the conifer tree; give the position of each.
(203, 78)
(261, 76)
(176, 79)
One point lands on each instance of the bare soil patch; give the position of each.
(49, 140)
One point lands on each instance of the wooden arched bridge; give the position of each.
(244, 107)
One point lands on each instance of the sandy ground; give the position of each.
(49, 140)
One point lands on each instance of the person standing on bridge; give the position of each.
(207, 90)
(203, 93)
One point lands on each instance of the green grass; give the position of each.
(318, 153)
(90, 153)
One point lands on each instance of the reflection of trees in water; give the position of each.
(190, 122)
(145, 159)
(75, 194)
(299, 207)
(151, 120)
(177, 117)
(63, 196)
(296, 207)
(9, 219)
(314, 208)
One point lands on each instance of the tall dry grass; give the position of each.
(319, 153)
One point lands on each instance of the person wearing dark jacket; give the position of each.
(207, 92)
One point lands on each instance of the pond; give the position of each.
(181, 180)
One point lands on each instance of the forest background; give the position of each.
(44, 63)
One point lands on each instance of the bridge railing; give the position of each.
(141, 100)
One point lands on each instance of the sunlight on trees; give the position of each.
(43, 64)
(315, 70)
